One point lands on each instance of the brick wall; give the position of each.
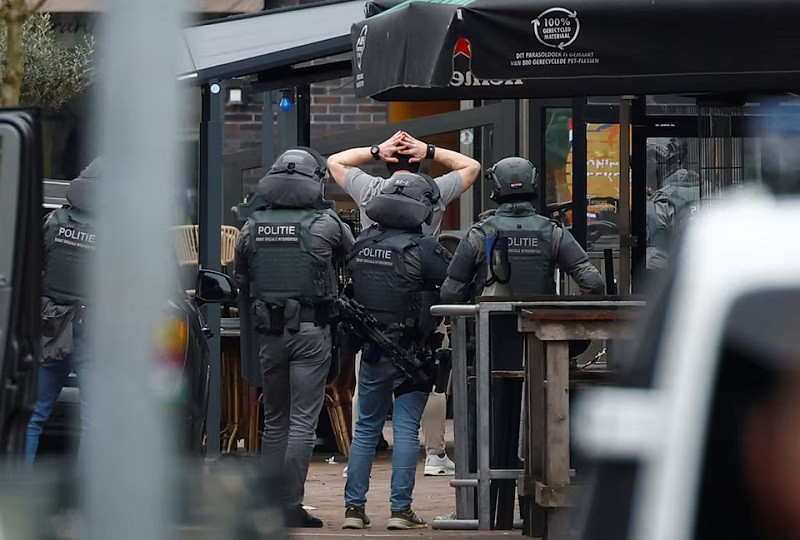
(242, 127)
(334, 109)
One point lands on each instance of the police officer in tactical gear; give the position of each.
(69, 244)
(671, 204)
(524, 247)
(395, 270)
(285, 256)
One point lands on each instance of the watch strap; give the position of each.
(431, 151)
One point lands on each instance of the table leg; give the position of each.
(534, 412)
(556, 431)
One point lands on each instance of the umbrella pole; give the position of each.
(625, 238)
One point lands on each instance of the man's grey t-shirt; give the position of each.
(362, 187)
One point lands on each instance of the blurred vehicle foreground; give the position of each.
(702, 439)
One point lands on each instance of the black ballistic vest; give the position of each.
(282, 262)
(69, 246)
(382, 282)
(530, 248)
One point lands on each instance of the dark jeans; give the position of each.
(294, 367)
(51, 378)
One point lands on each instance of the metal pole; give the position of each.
(287, 125)
(483, 373)
(461, 413)
(625, 239)
(579, 164)
(210, 223)
(524, 128)
(639, 187)
(537, 143)
(466, 202)
(267, 132)
(128, 444)
(303, 115)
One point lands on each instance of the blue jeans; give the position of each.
(51, 378)
(376, 382)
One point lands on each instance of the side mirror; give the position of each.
(214, 287)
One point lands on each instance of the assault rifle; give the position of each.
(369, 329)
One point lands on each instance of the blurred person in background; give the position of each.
(69, 244)
(678, 190)
(402, 154)
(285, 257)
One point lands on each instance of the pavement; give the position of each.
(433, 497)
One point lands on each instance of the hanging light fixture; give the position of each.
(286, 103)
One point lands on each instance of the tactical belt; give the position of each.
(274, 318)
(319, 314)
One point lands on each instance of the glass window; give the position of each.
(602, 172)
(558, 160)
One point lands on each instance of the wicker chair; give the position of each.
(187, 244)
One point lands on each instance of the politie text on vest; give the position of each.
(74, 237)
(374, 255)
(523, 245)
(277, 232)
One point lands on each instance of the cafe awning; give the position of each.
(534, 48)
(243, 45)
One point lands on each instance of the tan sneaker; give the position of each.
(406, 519)
(355, 518)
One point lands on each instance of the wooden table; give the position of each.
(548, 327)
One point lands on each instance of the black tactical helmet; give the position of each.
(300, 160)
(512, 177)
(406, 202)
(295, 180)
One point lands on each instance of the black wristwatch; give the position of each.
(430, 152)
(375, 150)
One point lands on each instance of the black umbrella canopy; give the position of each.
(532, 48)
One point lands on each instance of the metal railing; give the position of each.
(467, 483)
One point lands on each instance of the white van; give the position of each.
(674, 449)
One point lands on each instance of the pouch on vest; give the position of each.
(497, 258)
(291, 315)
(267, 318)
